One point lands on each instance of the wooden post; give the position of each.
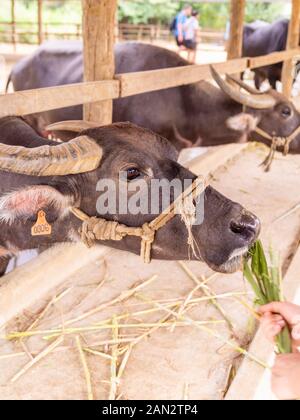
(78, 29)
(117, 28)
(13, 24)
(40, 21)
(288, 70)
(98, 41)
(237, 15)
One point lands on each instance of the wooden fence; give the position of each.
(28, 32)
(45, 99)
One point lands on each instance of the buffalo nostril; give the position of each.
(246, 226)
(237, 227)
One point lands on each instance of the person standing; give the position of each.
(191, 30)
(178, 24)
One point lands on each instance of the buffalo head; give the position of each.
(272, 111)
(38, 174)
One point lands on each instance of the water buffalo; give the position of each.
(39, 175)
(261, 38)
(249, 28)
(196, 114)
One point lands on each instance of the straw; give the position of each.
(211, 332)
(114, 360)
(185, 303)
(85, 369)
(205, 289)
(27, 352)
(39, 357)
(121, 298)
(255, 314)
(287, 213)
(185, 395)
(124, 362)
(97, 353)
(54, 300)
(103, 325)
(230, 377)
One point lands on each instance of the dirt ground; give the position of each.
(177, 362)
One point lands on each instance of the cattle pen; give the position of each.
(66, 265)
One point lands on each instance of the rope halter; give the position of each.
(276, 142)
(98, 229)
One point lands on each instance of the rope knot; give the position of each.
(148, 234)
(280, 141)
(277, 141)
(96, 229)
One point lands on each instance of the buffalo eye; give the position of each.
(286, 111)
(133, 173)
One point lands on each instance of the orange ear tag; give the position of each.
(42, 227)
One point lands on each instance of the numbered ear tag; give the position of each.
(42, 227)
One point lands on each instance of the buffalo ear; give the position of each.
(25, 203)
(242, 122)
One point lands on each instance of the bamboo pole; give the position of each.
(288, 71)
(98, 40)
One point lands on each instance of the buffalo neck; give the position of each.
(208, 116)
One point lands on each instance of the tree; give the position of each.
(213, 15)
(263, 11)
(140, 11)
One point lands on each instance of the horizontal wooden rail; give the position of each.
(45, 99)
(273, 58)
(149, 81)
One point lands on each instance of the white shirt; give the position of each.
(190, 28)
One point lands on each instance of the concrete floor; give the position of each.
(169, 364)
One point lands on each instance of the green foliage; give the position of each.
(216, 15)
(213, 15)
(263, 11)
(57, 11)
(140, 11)
(266, 282)
(62, 11)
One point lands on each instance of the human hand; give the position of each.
(277, 315)
(286, 377)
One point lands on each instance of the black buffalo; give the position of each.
(42, 175)
(261, 38)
